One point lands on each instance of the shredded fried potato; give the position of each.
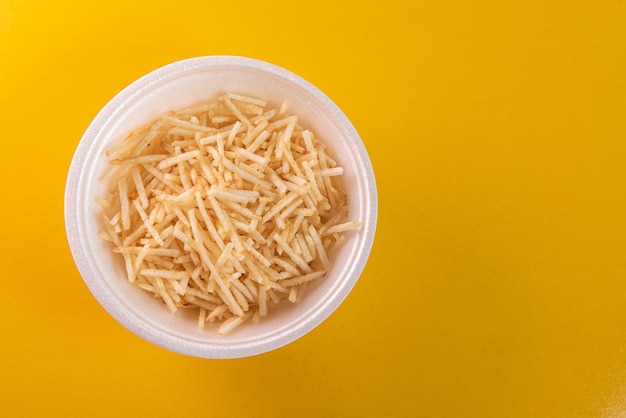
(228, 207)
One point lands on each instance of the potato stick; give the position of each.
(300, 181)
(308, 143)
(330, 172)
(146, 222)
(246, 99)
(262, 301)
(256, 144)
(130, 271)
(115, 238)
(203, 295)
(286, 137)
(204, 256)
(346, 226)
(162, 178)
(217, 312)
(187, 125)
(289, 209)
(240, 298)
(242, 210)
(221, 215)
(319, 247)
(280, 123)
(304, 249)
(304, 278)
(293, 294)
(252, 134)
(185, 198)
(142, 159)
(234, 197)
(124, 206)
(294, 257)
(236, 112)
(202, 318)
(164, 274)
(139, 186)
(243, 290)
(312, 181)
(230, 324)
(232, 134)
(283, 202)
(256, 254)
(289, 268)
(178, 158)
(277, 181)
(207, 221)
(324, 164)
(244, 174)
(247, 154)
(136, 234)
(160, 286)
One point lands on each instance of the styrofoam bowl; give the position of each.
(176, 86)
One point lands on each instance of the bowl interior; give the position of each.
(177, 86)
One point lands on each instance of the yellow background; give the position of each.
(496, 286)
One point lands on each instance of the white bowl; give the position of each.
(175, 86)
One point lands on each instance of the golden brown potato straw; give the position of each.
(228, 207)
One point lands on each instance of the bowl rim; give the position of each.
(105, 296)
